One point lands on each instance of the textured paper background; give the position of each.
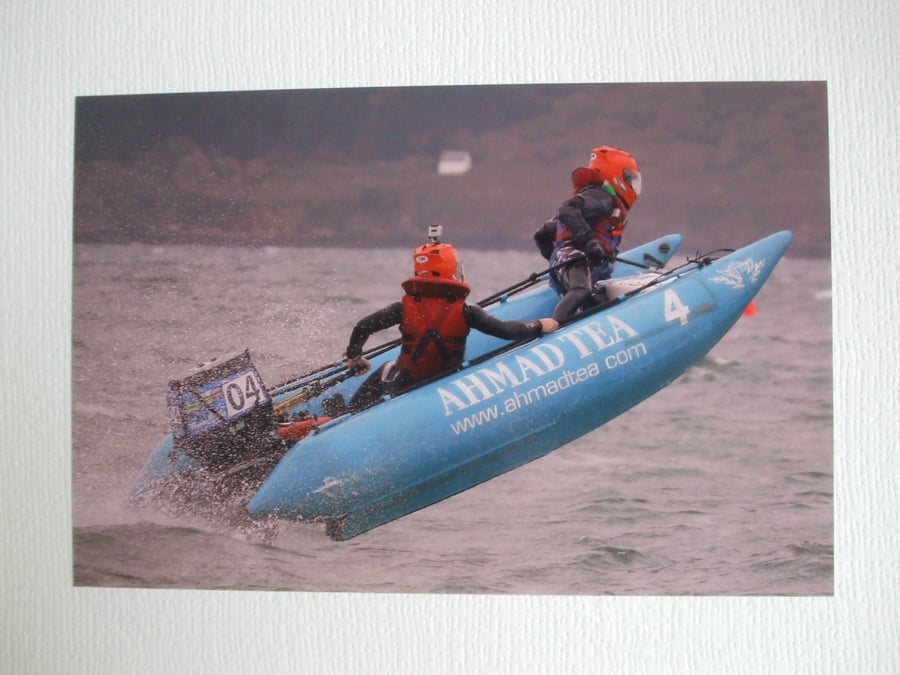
(54, 51)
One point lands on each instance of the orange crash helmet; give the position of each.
(437, 261)
(613, 166)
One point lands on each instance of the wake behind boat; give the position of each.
(302, 457)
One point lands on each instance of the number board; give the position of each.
(243, 393)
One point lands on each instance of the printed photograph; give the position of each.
(498, 339)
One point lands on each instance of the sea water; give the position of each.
(720, 484)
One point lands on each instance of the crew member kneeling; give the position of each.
(434, 322)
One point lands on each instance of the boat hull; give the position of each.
(359, 472)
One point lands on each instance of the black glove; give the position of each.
(594, 252)
(545, 238)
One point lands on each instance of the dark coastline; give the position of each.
(723, 164)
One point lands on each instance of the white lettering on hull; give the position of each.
(548, 357)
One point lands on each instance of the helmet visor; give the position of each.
(633, 178)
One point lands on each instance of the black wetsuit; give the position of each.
(395, 382)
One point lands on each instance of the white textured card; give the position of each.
(53, 52)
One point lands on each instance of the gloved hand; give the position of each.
(548, 325)
(545, 238)
(594, 252)
(358, 365)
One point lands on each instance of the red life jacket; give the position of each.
(608, 231)
(433, 329)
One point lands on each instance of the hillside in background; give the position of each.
(722, 163)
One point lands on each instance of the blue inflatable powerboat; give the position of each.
(509, 403)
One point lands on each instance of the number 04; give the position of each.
(675, 308)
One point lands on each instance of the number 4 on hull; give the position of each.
(675, 309)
